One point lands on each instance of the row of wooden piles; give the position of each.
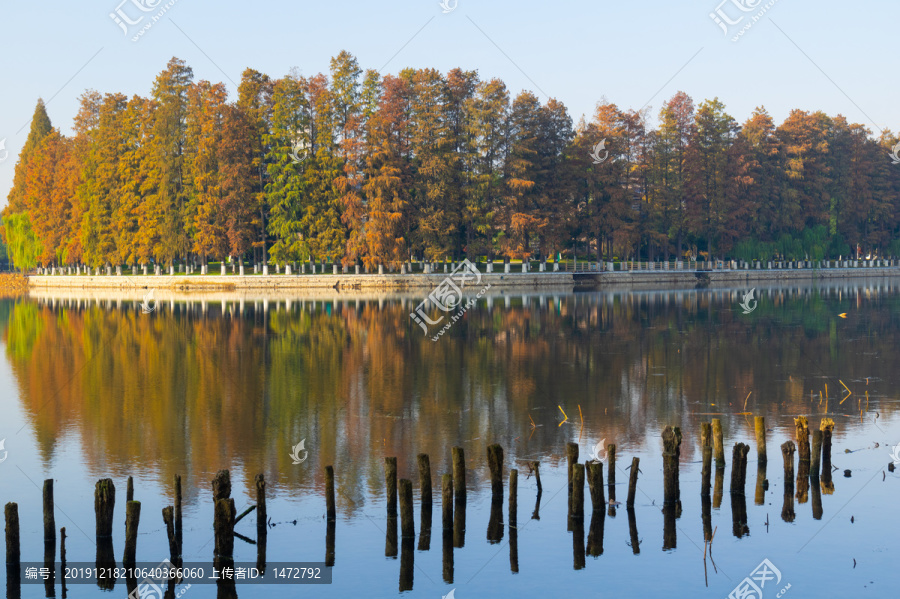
(814, 472)
(104, 509)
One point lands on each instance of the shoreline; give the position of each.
(419, 281)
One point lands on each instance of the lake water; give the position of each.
(92, 390)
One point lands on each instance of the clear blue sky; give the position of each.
(630, 52)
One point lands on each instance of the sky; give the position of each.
(824, 55)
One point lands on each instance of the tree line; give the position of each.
(362, 168)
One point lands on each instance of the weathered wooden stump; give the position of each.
(827, 428)
(632, 481)
(13, 551)
(407, 525)
(129, 490)
(447, 501)
(223, 526)
(13, 555)
(787, 510)
(706, 470)
(49, 518)
(802, 426)
(611, 470)
(169, 520)
(104, 505)
(390, 481)
(459, 475)
(815, 462)
(705, 434)
(670, 466)
(261, 514)
(495, 464)
(578, 491)
(536, 467)
(513, 497)
(739, 468)
(595, 485)
(132, 520)
(572, 457)
(221, 485)
(425, 480)
(179, 540)
(718, 443)
(759, 424)
(330, 511)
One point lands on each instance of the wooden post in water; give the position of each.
(632, 481)
(330, 512)
(787, 452)
(816, 455)
(223, 525)
(739, 468)
(595, 485)
(802, 426)
(787, 510)
(578, 491)
(390, 481)
(572, 456)
(718, 443)
(129, 491)
(670, 466)
(13, 552)
(759, 423)
(827, 427)
(459, 474)
(178, 538)
(536, 466)
(261, 517)
(407, 525)
(706, 470)
(705, 434)
(221, 485)
(104, 504)
(49, 519)
(611, 470)
(62, 559)
(132, 520)
(447, 501)
(169, 520)
(495, 463)
(425, 480)
(513, 497)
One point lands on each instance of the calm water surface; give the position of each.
(91, 387)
